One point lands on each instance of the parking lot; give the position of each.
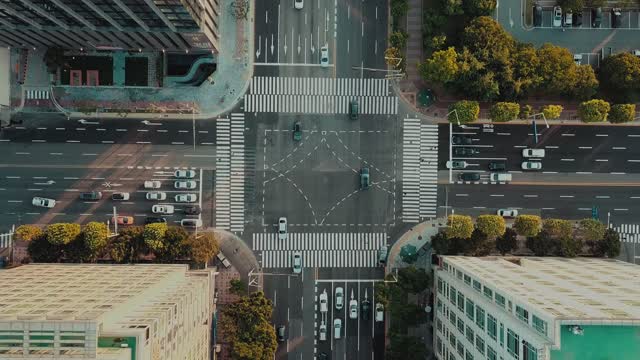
(630, 20)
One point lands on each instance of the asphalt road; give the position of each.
(568, 149)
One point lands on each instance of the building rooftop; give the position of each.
(578, 288)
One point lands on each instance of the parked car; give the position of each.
(154, 220)
(537, 15)
(91, 196)
(577, 58)
(120, 196)
(298, 4)
(364, 178)
(43, 202)
(188, 198)
(460, 140)
(281, 333)
(297, 131)
(191, 223)
(152, 184)
(497, 166)
(324, 56)
(500, 177)
(353, 309)
(297, 263)
(577, 18)
(531, 165)
(616, 17)
(568, 18)
(337, 328)
(192, 210)
(456, 164)
(324, 301)
(185, 184)
(469, 176)
(379, 312)
(162, 209)
(365, 308)
(123, 220)
(339, 298)
(557, 16)
(596, 17)
(282, 228)
(185, 174)
(156, 195)
(533, 153)
(464, 151)
(508, 213)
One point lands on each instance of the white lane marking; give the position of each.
(158, 155)
(206, 143)
(633, 135)
(101, 129)
(462, 194)
(568, 135)
(70, 178)
(584, 172)
(89, 154)
(567, 196)
(73, 141)
(602, 160)
(620, 209)
(584, 209)
(505, 134)
(633, 161)
(183, 131)
(97, 178)
(634, 197)
(547, 208)
(177, 143)
(585, 147)
(549, 172)
(203, 156)
(530, 196)
(203, 132)
(5, 140)
(142, 130)
(81, 129)
(23, 153)
(20, 127)
(601, 135)
(619, 148)
(42, 128)
(143, 142)
(107, 142)
(121, 129)
(31, 189)
(124, 154)
(618, 173)
(14, 201)
(567, 159)
(125, 179)
(71, 190)
(551, 147)
(603, 197)
(39, 177)
(12, 177)
(59, 128)
(57, 154)
(520, 146)
(39, 141)
(479, 207)
(162, 131)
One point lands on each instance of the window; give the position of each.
(452, 295)
(439, 345)
(480, 317)
(500, 300)
(492, 326)
(452, 340)
(439, 324)
(460, 348)
(512, 343)
(528, 351)
(470, 335)
(467, 279)
(440, 286)
(452, 318)
(488, 293)
(480, 344)
(439, 305)
(539, 324)
(446, 266)
(468, 356)
(460, 301)
(522, 314)
(461, 326)
(501, 335)
(509, 306)
(470, 309)
(491, 354)
(477, 285)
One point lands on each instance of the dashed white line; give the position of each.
(634, 161)
(14, 201)
(530, 196)
(101, 129)
(32, 189)
(143, 142)
(547, 208)
(81, 129)
(97, 178)
(633, 135)
(42, 128)
(619, 148)
(73, 141)
(70, 178)
(567, 196)
(71, 190)
(567, 159)
(12, 177)
(549, 172)
(59, 128)
(520, 146)
(585, 147)
(183, 131)
(57, 154)
(88, 154)
(159, 155)
(568, 135)
(479, 207)
(602, 160)
(618, 173)
(603, 197)
(462, 194)
(206, 143)
(203, 132)
(107, 142)
(497, 195)
(620, 209)
(551, 147)
(161, 130)
(177, 143)
(505, 134)
(38, 141)
(584, 172)
(121, 129)
(142, 130)
(23, 153)
(124, 154)
(601, 135)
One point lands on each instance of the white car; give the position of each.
(324, 56)
(43, 202)
(156, 195)
(531, 165)
(379, 312)
(323, 301)
(185, 184)
(456, 164)
(282, 228)
(339, 298)
(337, 328)
(508, 213)
(298, 4)
(162, 209)
(577, 58)
(323, 331)
(353, 309)
(185, 174)
(297, 263)
(557, 16)
(155, 184)
(533, 153)
(189, 198)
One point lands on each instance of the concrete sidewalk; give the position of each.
(238, 253)
(419, 236)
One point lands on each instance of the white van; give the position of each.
(337, 328)
(533, 153)
(194, 223)
(500, 177)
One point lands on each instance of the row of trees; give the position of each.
(70, 242)
(246, 325)
(549, 237)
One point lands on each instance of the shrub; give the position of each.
(557, 228)
(507, 242)
(399, 9)
(398, 39)
(466, 111)
(491, 225)
(459, 226)
(552, 112)
(525, 111)
(504, 111)
(28, 232)
(62, 233)
(594, 110)
(622, 113)
(527, 225)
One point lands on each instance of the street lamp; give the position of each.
(457, 118)
(608, 219)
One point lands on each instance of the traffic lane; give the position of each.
(297, 303)
(570, 202)
(350, 40)
(375, 35)
(275, 290)
(366, 322)
(352, 326)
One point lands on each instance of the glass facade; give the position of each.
(480, 317)
(513, 341)
(492, 326)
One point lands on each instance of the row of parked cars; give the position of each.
(574, 19)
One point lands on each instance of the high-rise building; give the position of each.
(105, 312)
(532, 308)
(171, 25)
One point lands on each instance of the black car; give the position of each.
(91, 196)
(497, 166)
(464, 151)
(577, 18)
(323, 356)
(469, 176)
(154, 220)
(537, 15)
(461, 140)
(616, 17)
(192, 210)
(366, 309)
(596, 17)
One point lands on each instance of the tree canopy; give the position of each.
(591, 229)
(153, 235)
(28, 232)
(504, 111)
(459, 226)
(507, 242)
(622, 113)
(62, 233)
(441, 67)
(594, 110)
(491, 225)
(94, 235)
(552, 112)
(527, 225)
(620, 75)
(203, 248)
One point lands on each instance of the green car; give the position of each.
(364, 178)
(353, 110)
(297, 132)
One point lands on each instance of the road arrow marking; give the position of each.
(298, 44)
(271, 44)
(259, 46)
(147, 122)
(313, 49)
(285, 44)
(85, 122)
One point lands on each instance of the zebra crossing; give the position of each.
(6, 240)
(419, 171)
(230, 173)
(37, 94)
(320, 249)
(629, 233)
(320, 95)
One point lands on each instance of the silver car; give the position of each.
(324, 56)
(43, 202)
(185, 174)
(189, 198)
(185, 184)
(156, 195)
(162, 209)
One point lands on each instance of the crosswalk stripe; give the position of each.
(230, 174)
(629, 233)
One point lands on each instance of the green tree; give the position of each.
(464, 111)
(413, 280)
(557, 70)
(451, 7)
(95, 236)
(174, 245)
(62, 233)
(504, 111)
(575, 5)
(128, 245)
(479, 7)
(479, 244)
(488, 41)
(507, 242)
(399, 9)
(542, 244)
(393, 57)
(569, 246)
(405, 347)
(622, 113)
(237, 287)
(441, 68)
(203, 248)
(491, 225)
(525, 66)
(591, 229)
(594, 110)
(153, 235)
(609, 245)
(42, 251)
(558, 228)
(117, 249)
(620, 75)
(459, 226)
(435, 43)
(526, 111)
(28, 232)
(474, 78)
(552, 112)
(586, 83)
(78, 251)
(527, 225)
(440, 243)
(398, 39)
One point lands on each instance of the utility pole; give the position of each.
(115, 220)
(193, 121)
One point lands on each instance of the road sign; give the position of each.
(594, 212)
